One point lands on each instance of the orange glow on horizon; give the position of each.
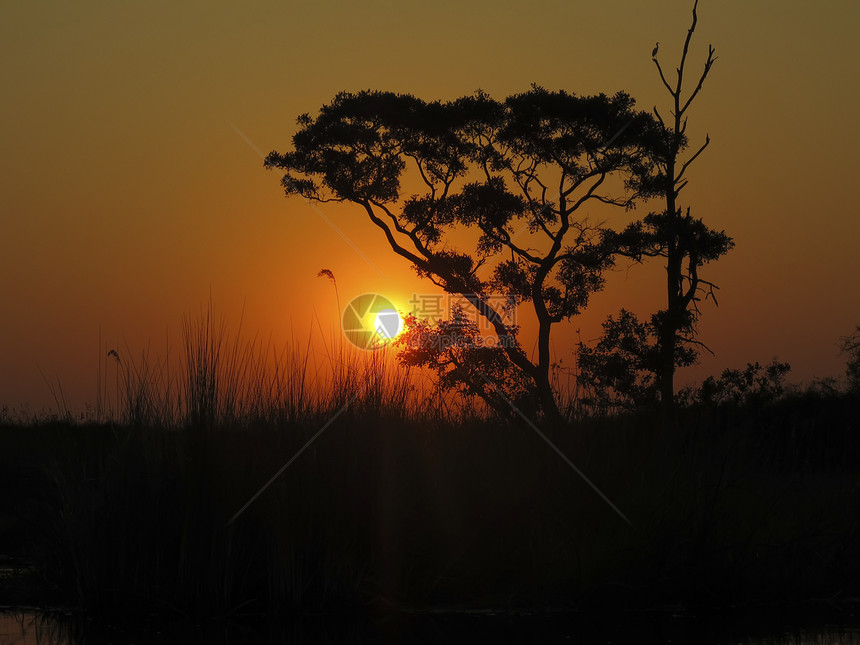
(129, 199)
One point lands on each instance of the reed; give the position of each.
(403, 500)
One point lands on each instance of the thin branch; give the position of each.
(523, 253)
(420, 166)
(692, 159)
(693, 341)
(708, 64)
(392, 242)
(588, 195)
(684, 53)
(663, 78)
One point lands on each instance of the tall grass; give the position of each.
(225, 379)
(407, 500)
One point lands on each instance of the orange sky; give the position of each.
(127, 197)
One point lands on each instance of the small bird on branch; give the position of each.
(654, 51)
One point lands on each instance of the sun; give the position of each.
(371, 321)
(388, 324)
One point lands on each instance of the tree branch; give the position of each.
(691, 160)
(708, 64)
(662, 78)
(687, 40)
(421, 262)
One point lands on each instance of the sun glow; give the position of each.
(388, 324)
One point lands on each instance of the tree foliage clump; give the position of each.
(467, 362)
(620, 371)
(753, 385)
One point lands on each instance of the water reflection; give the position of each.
(33, 628)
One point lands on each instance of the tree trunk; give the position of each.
(668, 331)
(546, 397)
(667, 377)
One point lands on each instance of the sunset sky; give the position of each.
(131, 186)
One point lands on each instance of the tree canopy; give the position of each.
(516, 172)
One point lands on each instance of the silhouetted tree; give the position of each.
(516, 172)
(620, 371)
(685, 242)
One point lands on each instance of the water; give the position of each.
(35, 628)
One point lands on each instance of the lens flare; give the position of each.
(388, 323)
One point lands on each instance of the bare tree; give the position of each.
(685, 242)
